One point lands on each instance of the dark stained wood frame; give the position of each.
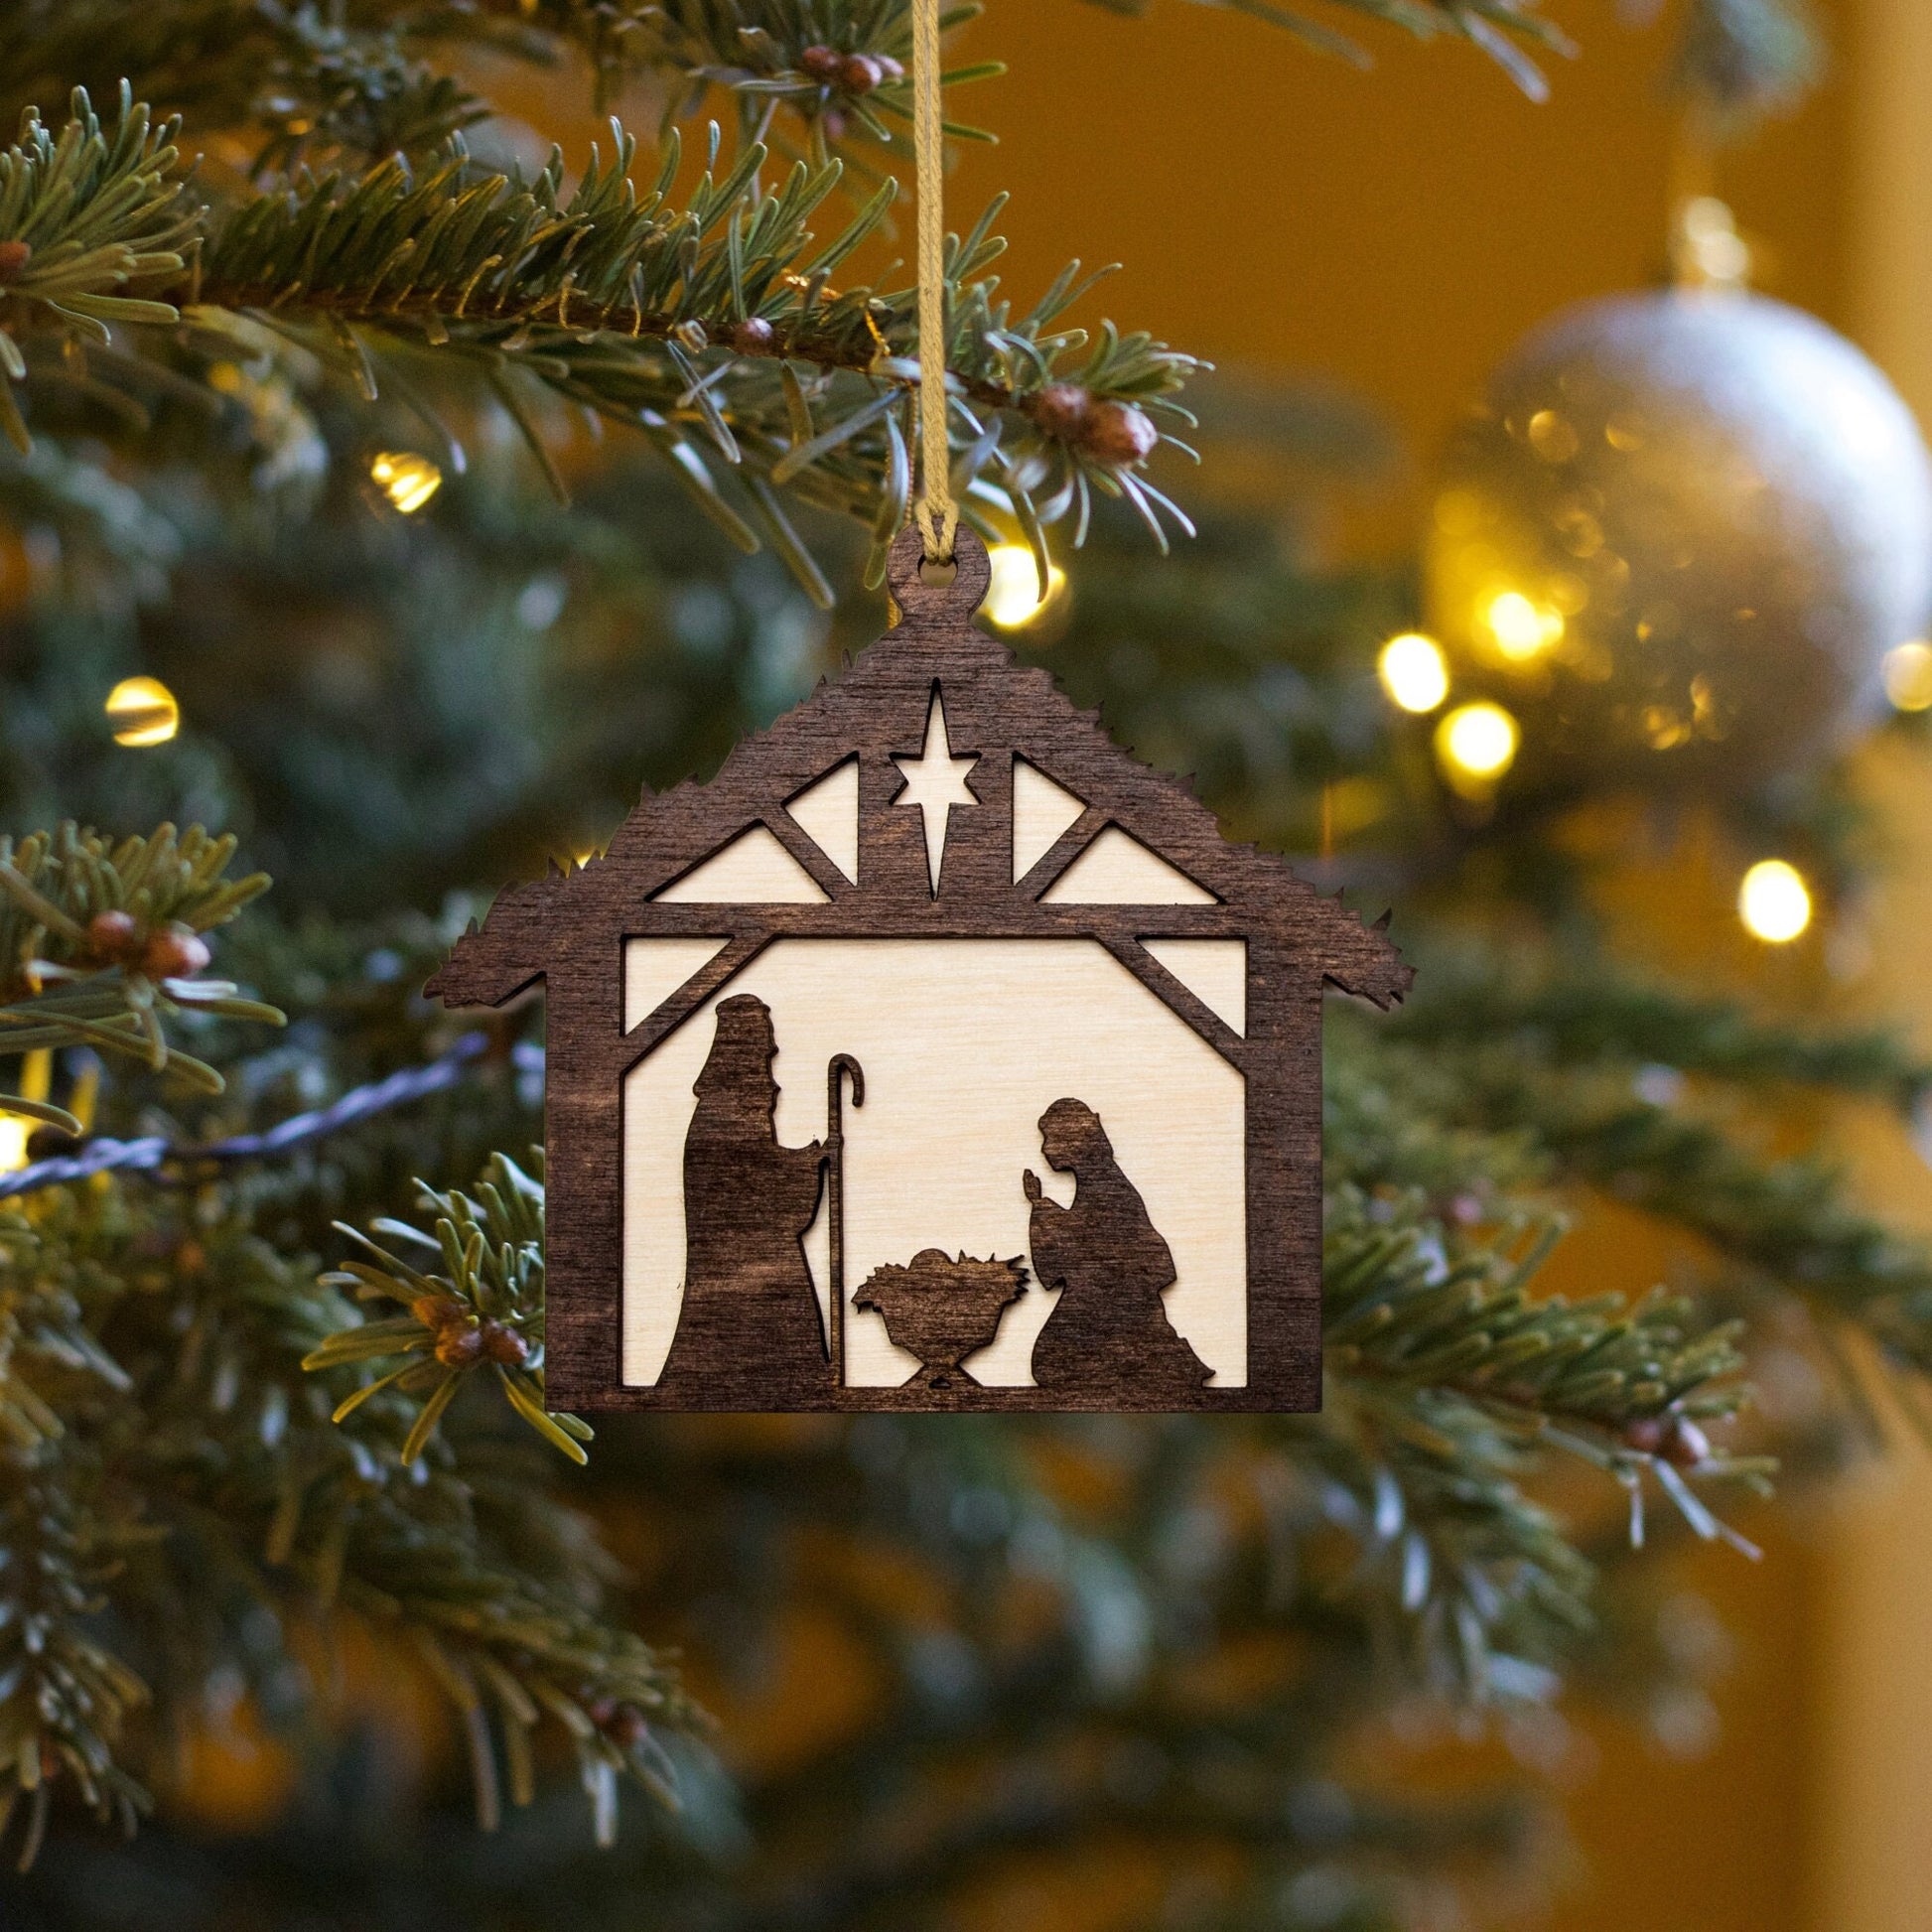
(569, 930)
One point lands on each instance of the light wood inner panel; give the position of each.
(1118, 870)
(654, 968)
(965, 1043)
(754, 870)
(827, 812)
(1042, 811)
(1214, 970)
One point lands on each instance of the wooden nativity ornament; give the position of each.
(935, 1056)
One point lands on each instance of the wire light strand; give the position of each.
(937, 513)
(151, 1155)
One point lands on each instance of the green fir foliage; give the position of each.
(250, 1408)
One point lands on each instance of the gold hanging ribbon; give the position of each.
(937, 513)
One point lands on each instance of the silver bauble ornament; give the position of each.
(1680, 539)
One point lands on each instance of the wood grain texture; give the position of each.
(571, 931)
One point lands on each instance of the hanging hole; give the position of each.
(946, 590)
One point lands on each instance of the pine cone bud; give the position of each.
(113, 936)
(504, 1345)
(860, 73)
(754, 336)
(1117, 432)
(14, 256)
(1676, 1438)
(821, 62)
(438, 1310)
(833, 122)
(1061, 409)
(174, 952)
(460, 1348)
(627, 1725)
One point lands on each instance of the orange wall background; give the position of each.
(1390, 231)
(1392, 234)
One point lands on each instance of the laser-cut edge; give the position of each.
(568, 931)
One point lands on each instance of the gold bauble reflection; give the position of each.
(1679, 542)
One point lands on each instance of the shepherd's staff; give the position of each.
(836, 1071)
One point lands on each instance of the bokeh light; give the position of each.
(1013, 600)
(1414, 671)
(1475, 744)
(36, 1082)
(1908, 676)
(408, 480)
(1522, 630)
(144, 711)
(1775, 901)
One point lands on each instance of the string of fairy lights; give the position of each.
(1474, 741)
(1477, 743)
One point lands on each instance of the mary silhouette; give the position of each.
(749, 1330)
(1109, 1333)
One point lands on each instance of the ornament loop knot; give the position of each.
(915, 597)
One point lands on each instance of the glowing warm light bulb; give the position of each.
(144, 711)
(1475, 744)
(1908, 676)
(408, 480)
(1775, 901)
(1414, 671)
(36, 1080)
(1013, 598)
(1522, 630)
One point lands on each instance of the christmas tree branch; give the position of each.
(1781, 1221)
(190, 1415)
(299, 80)
(65, 1695)
(714, 327)
(481, 1312)
(764, 49)
(100, 941)
(1579, 1013)
(1445, 1378)
(837, 66)
(710, 323)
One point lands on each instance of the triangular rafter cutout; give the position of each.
(1214, 971)
(1043, 813)
(1118, 870)
(753, 870)
(654, 968)
(827, 812)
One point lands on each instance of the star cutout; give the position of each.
(935, 781)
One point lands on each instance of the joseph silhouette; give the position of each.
(748, 1332)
